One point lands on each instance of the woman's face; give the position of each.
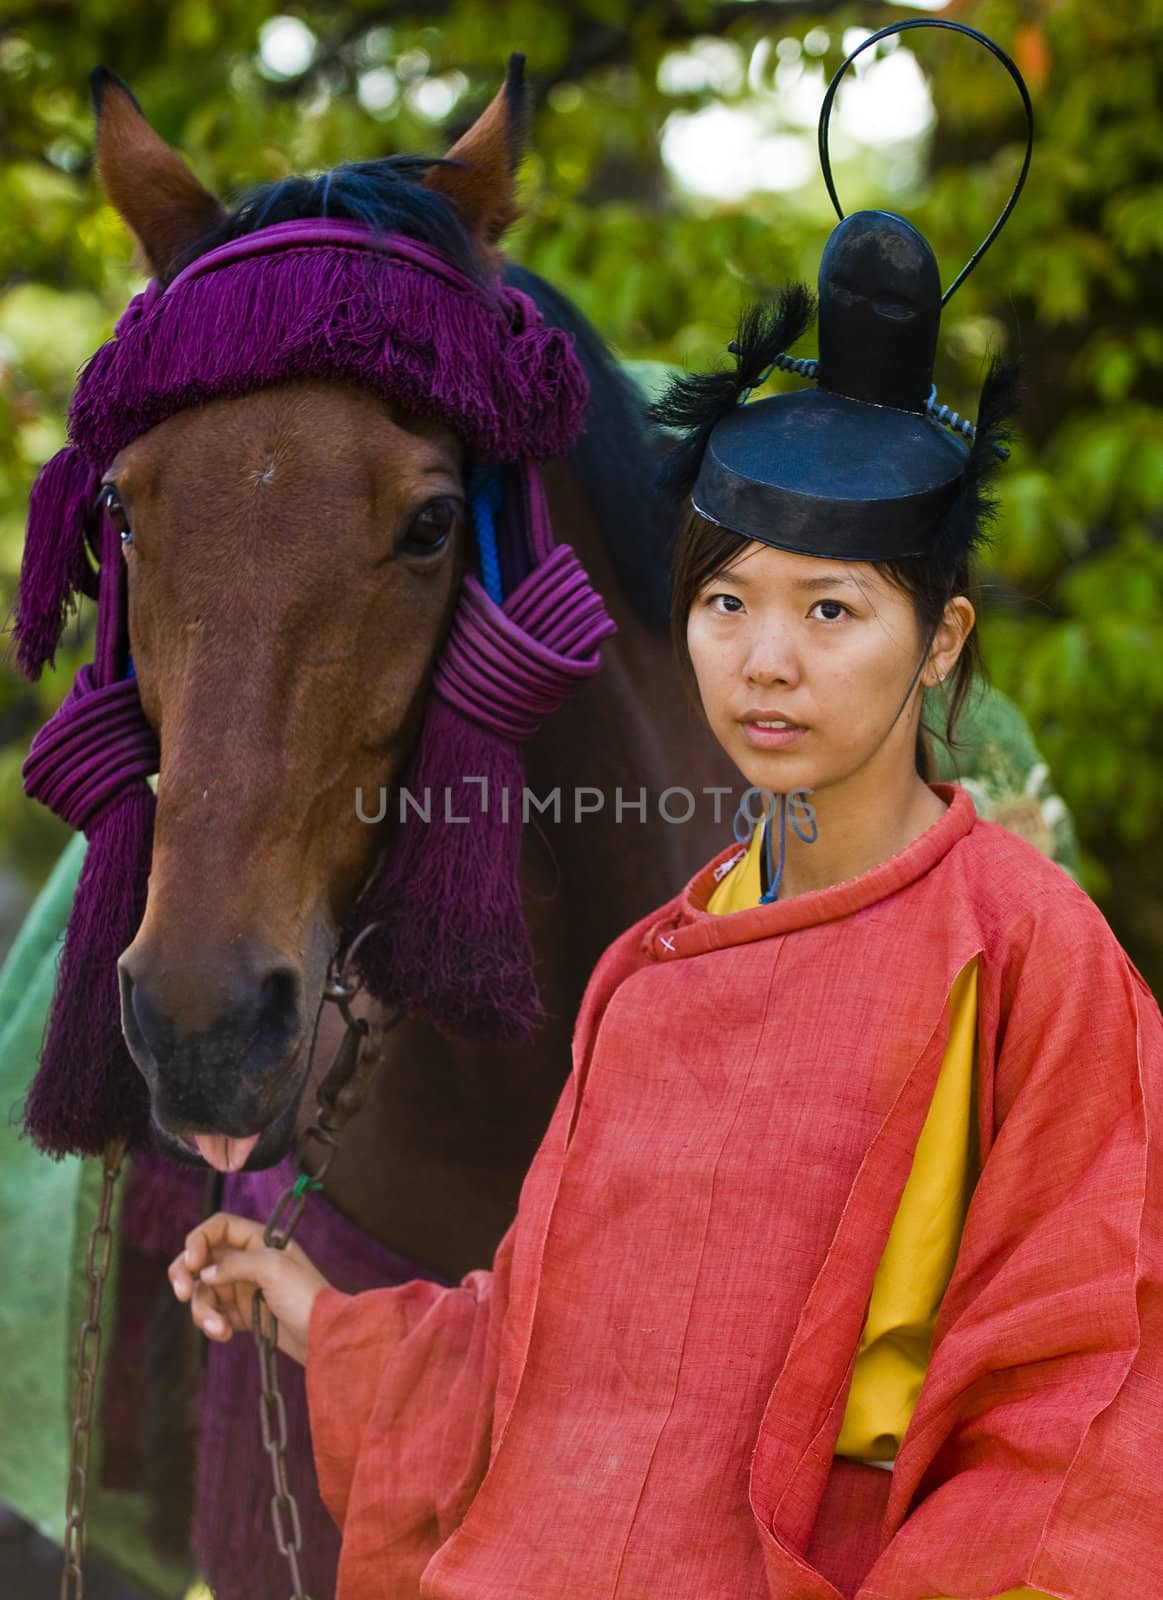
(827, 647)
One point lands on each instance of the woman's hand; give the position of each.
(225, 1261)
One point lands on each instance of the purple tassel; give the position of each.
(55, 568)
(87, 1090)
(454, 948)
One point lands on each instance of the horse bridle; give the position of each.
(338, 1099)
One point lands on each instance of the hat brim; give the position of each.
(824, 475)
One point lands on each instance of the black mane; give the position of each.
(615, 459)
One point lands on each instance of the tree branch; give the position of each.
(593, 43)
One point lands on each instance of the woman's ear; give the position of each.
(949, 640)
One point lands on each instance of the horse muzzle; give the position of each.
(222, 1059)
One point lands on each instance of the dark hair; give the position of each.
(704, 548)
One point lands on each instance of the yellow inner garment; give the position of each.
(918, 1259)
(922, 1246)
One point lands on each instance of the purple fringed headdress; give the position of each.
(315, 298)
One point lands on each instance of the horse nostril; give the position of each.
(268, 1026)
(149, 1032)
(278, 1011)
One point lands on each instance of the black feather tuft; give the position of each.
(766, 330)
(695, 402)
(964, 529)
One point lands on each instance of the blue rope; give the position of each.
(949, 418)
(484, 497)
(805, 368)
(775, 874)
(958, 423)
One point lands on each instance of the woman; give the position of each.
(857, 1167)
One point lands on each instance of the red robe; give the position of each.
(640, 1401)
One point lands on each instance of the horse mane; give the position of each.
(616, 459)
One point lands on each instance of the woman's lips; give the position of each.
(771, 738)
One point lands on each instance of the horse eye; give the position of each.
(112, 504)
(429, 529)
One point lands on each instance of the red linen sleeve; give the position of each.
(1032, 1455)
(400, 1386)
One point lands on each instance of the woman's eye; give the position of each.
(111, 503)
(725, 604)
(430, 527)
(835, 609)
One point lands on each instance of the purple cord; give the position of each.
(98, 746)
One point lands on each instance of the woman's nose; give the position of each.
(772, 660)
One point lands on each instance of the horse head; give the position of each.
(294, 554)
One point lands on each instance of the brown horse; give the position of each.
(283, 638)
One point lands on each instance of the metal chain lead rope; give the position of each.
(339, 1097)
(97, 1259)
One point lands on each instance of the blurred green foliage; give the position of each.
(1073, 624)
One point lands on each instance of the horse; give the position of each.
(284, 643)
(285, 663)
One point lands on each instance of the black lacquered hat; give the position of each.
(865, 466)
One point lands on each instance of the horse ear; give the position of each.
(148, 184)
(478, 176)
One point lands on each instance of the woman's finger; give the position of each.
(221, 1231)
(181, 1277)
(209, 1315)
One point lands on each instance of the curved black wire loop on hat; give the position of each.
(995, 50)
